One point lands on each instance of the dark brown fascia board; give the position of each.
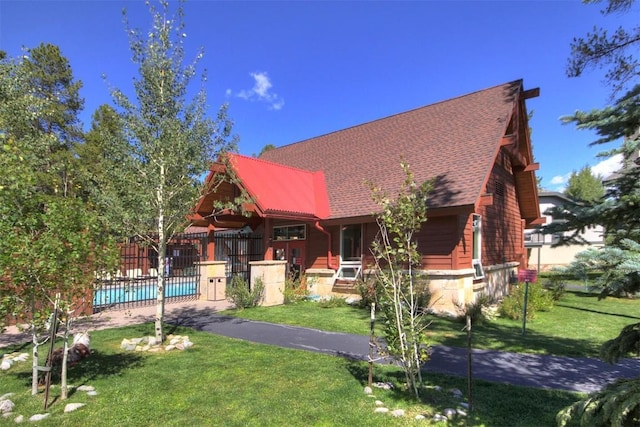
(530, 93)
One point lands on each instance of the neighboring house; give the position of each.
(543, 256)
(313, 204)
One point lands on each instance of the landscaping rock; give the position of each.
(439, 417)
(368, 390)
(420, 417)
(19, 419)
(6, 406)
(86, 388)
(398, 413)
(38, 417)
(150, 344)
(70, 407)
(379, 403)
(456, 393)
(384, 386)
(381, 410)
(9, 359)
(450, 413)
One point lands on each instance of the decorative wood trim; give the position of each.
(530, 93)
(508, 140)
(486, 199)
(538, 221)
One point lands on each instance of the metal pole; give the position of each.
(469, 364)
(371, 341)
(524, 316)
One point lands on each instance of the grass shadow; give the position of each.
(589, 310)
(97, 365)
(506, 337)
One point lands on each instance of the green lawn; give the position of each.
(577, 326)
(226, 382)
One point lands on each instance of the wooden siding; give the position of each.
(502, 238)
(437, 241)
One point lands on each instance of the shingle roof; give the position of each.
(454, 141)
(281, 190)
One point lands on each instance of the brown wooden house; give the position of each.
(313, 205)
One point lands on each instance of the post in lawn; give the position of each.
(526, 276)
(372, 341)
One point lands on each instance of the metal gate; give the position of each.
(238, 249)
(135, 283)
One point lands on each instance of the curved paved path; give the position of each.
(542, 371)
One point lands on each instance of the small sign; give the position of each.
(527, 276)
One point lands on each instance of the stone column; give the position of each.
(213, 280)
(272, 274)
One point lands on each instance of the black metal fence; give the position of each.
(135, 283)
(238, 249)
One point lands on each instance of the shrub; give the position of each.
(479, 310)
(295, 289)
(539, 299)
(333, 302)
(556, 285)
(367, 290)
(370, 288)
(241, 296)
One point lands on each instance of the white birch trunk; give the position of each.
(65, 355)
(34, 363)
(162, 251)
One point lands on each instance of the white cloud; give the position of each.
(560, 179)
(603, 168)
(608, 166)
(558, 183)
(261, 91)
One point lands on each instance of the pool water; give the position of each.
(123, 293)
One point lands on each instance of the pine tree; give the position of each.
(585, 186)
(53, 240)
(617, 211)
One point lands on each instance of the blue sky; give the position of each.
(292, 70)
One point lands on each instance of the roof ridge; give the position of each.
(274, 163)
(520, 81)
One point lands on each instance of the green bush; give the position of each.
(295, 289)
(479, 310)
(367, 290)
(371, 287)
(539, 299)
(556, 285)
(332, 302)
(241, 296)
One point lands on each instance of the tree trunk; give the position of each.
(163, 267)
(65, 355)
(34, 363)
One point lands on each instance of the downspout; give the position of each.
(330, 262)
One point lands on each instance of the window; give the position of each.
(350, 252)
(290, 232)
(477, 247)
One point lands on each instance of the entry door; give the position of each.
(291, 251)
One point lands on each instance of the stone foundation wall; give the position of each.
(319, 281)
(272, 274)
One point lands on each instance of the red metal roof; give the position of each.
(282, 191)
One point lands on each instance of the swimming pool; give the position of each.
(146, 290)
